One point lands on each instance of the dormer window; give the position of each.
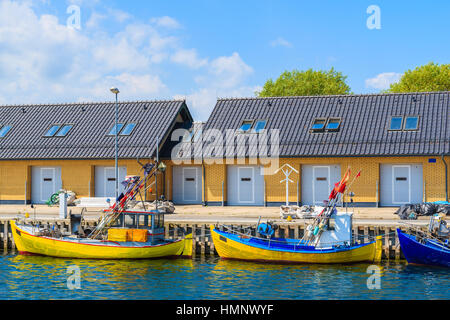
(4, 131)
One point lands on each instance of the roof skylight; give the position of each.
(52, 131)
(64, 130)
(260, 125)
(396, 123)
(4, 131)
(333, 124)
(128, 129)
(412, 123)
(113, 130)
(318, 124)
(246, 125)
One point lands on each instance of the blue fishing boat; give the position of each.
(427, 248)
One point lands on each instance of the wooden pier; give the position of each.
(203, 244)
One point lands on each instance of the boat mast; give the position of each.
(156, 172)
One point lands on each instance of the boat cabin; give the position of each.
(152, 220)
(339, 231)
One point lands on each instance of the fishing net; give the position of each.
(413, 211)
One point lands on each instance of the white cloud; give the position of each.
(189, 57)
(280, 42)
(229, 71)
(166, 22)
(383, 80)
(202, 101)
(119, 15)
(140, 85)
(94, 20)
(43, 61)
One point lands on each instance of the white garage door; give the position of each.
(317, 182)
(400, 184)
(105, 181)
(45, 181)
(187, 185)
(245, 185)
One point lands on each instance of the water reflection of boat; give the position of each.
(121, 234)
(427, 248)
(323, 242)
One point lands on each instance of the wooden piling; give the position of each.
(387, 242)
(202, 240)
(397, 247)
(366, 234)
(296, 232)
(5, 235)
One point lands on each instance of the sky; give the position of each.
(200, 50)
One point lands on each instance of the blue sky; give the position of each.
(201, 50)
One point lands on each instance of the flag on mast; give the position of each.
(340, 186)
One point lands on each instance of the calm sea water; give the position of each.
(33, 277)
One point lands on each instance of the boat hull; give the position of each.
(419, 253)
(228, 247)
(27, 243)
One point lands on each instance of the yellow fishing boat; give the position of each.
(31, 239)
(121, 233)
(328, 239)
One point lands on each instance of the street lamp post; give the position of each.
(116, 92)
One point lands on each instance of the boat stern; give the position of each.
(187, 249)
(378, 249)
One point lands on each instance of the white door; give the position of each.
(401, 180)
(317, 183)
(401, 184)
(321, 184)
(105, 181)
(187, 185)
(245, 185)
(45, 182)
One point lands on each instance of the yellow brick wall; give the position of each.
(76, 175)
(365, 187)
(212, 177)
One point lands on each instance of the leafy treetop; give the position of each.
(306, 83)
(427, 78)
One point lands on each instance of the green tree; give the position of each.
(427, 78)
(306, 83)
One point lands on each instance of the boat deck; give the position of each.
(285, 244)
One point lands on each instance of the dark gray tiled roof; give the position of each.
(92, 122)
(364, 126)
